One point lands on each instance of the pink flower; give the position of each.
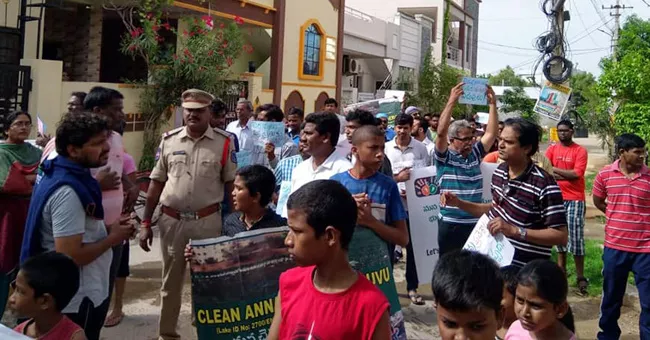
(229, 61)
(185, 33)
(210, 53)
(167, 26)
(174, 56)
(187, 52)
(208, 21)
(239, 20)
(132, 48)
(222, 25)
(136, 32)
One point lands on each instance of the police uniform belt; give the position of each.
(191, 215)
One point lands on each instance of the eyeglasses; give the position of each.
(464, 140)
(22, 124)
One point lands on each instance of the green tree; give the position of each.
(434, 84)
(202, 59)
(506, 77)
(621, 102)
(516, 100)
(582, 88)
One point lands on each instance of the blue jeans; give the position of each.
(617, 265)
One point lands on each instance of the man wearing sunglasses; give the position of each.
(458, 168)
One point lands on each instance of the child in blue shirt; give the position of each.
(377, 195)
(381, 217)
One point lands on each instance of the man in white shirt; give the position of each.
(240, 127)
(244, 133)
(406, 153)
(419, 133)
(320, 136)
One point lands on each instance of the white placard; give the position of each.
(9, 334)
(423, 199)
(423, 202)
(497, 247)
(283, 197)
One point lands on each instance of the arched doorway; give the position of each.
(294, 99)
(320, 101)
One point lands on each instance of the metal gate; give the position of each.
(235, 91)
(15, 85)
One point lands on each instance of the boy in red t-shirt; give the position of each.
(44, 285)
(324, 298)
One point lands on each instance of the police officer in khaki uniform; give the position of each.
(194, 165)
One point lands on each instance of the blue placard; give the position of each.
(244, 158)
(474, 91)
(283, 196)
(268, 132)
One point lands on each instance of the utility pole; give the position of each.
(558, 9)
(617, 24)
(614, 48)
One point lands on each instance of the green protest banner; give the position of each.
(369, 255)
(235, 281)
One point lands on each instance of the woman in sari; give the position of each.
(18, 163)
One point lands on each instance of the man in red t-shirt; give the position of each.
(324, 298)
(569, 164)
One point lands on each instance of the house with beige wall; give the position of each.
(296, 58)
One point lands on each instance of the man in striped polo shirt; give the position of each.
(622, 191)
(458, 168)
(527, 205)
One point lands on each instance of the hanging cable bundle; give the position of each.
(567, 69)
(547, 42)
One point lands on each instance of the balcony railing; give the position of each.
(358, 14)
(454, 56)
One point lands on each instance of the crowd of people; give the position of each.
(66, 216)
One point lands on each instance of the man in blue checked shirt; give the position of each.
(284, 169)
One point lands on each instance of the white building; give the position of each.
(388, 41)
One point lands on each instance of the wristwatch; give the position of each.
(522, 233)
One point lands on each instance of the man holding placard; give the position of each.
(458, 167)
(527, 205)
(275, 153)
(406, 153)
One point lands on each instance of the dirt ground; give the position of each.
(142, 298)
(142, 303)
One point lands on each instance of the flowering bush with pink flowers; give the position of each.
(202, 58)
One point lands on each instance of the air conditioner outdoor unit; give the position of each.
(353, 66)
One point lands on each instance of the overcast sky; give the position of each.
(517, 23)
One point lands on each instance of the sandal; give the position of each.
(113, 320)
(416, 299)
(583, 283)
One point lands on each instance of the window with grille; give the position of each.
(312, 51)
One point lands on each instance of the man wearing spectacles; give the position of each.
(527, 205)
(458, 168)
